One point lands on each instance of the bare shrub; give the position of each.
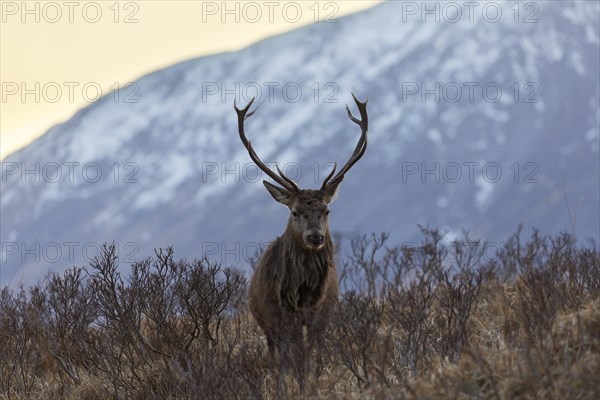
(410, 308)
(437, 320)
(354, 333)
(22, 359)
(456, 296)
(67, 305)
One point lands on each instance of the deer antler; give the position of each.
(283, 180)
(361, 146)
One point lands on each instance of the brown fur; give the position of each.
(295, 287)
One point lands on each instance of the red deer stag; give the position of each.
(294, 286)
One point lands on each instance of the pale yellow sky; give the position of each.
(56, 56)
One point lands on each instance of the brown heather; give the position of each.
(433, 322)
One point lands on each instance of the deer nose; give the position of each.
(316, 238)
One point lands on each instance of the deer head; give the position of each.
(308, 222)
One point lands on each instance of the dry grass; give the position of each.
(433, 322)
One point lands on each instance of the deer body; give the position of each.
(294, 286)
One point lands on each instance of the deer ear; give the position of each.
(331, 191)
(280, 194)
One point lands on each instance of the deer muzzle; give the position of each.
(314, 238)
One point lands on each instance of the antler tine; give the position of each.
(324, 185)
(288, 180)
(361, 146)
(283, 180)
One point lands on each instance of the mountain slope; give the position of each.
(184, 179)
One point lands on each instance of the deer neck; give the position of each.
(305, 271)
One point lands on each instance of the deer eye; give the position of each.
(327, 212)
(294, 213)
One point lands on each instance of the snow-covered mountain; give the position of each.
(476, 124)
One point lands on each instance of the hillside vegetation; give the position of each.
(466, 319)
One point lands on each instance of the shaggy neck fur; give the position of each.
(303, 271)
